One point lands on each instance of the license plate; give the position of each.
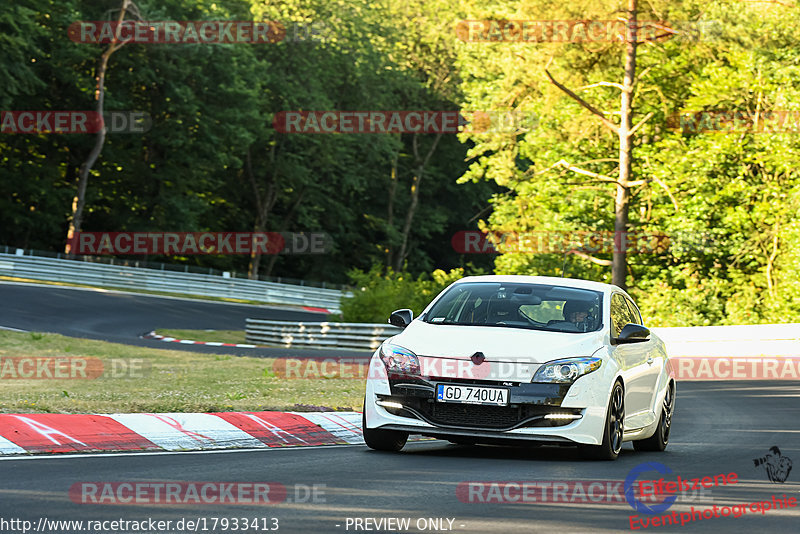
(472, 395)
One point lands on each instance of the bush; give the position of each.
(378, 293)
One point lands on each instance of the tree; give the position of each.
(100, 93)
(625, 132)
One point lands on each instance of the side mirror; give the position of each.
(633, 333)
(401, 318)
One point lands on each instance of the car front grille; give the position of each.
(476, 416)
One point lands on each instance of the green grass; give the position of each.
(223, 336)
(169, 381)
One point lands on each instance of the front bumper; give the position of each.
(409, 404)
(529, 406)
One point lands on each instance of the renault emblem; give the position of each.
(478, 358)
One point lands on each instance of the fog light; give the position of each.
(389, 404)
(562, 416)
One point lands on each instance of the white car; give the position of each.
(523, 359)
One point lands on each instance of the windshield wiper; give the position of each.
(495, 325)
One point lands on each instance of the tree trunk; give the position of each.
(264, 204)
(283, 226)
(79, 201)
(624, 131)
(420, 164)
(390, 210)
(619, 262)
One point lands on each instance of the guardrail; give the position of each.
(203, 285)
(353, 336)
(730, 341)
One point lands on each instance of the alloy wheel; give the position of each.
(616, 421)
(666, 413)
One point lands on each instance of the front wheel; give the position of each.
(382, 440)
(660, 438)
(614, 427)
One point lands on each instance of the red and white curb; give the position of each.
(69, 433)
(153, 335)
(317, 310)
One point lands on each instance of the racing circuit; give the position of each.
(719, 427)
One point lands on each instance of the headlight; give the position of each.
(566, 370)
(399, 360)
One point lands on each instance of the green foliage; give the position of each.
(212, 151)
(728, 201)
(376, 294)
(212, 106)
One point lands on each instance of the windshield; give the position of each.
(519, 305)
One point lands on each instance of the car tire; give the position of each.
(382, 440)
(613, 430)
(660, 438)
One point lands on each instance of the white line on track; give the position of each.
(11, 329)
(163, 453)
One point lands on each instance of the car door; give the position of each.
(655, 362)
(633, 359)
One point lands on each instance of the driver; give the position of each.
(577, 312)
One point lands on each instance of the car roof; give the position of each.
(548, 280)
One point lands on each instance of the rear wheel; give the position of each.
(614, 427)
(382, 440)
(659, 440)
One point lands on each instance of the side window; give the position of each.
(637, 317)
(620, 314)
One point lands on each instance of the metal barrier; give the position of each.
(204, 285)
(353, 336)
(732, 341)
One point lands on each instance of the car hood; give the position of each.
(502, 344)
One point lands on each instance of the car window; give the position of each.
(637, 317)
(518, 305)
(456, 306)
(548, 310)
(620, 314)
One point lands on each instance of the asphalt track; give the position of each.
(121, 317)
(719, 427)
